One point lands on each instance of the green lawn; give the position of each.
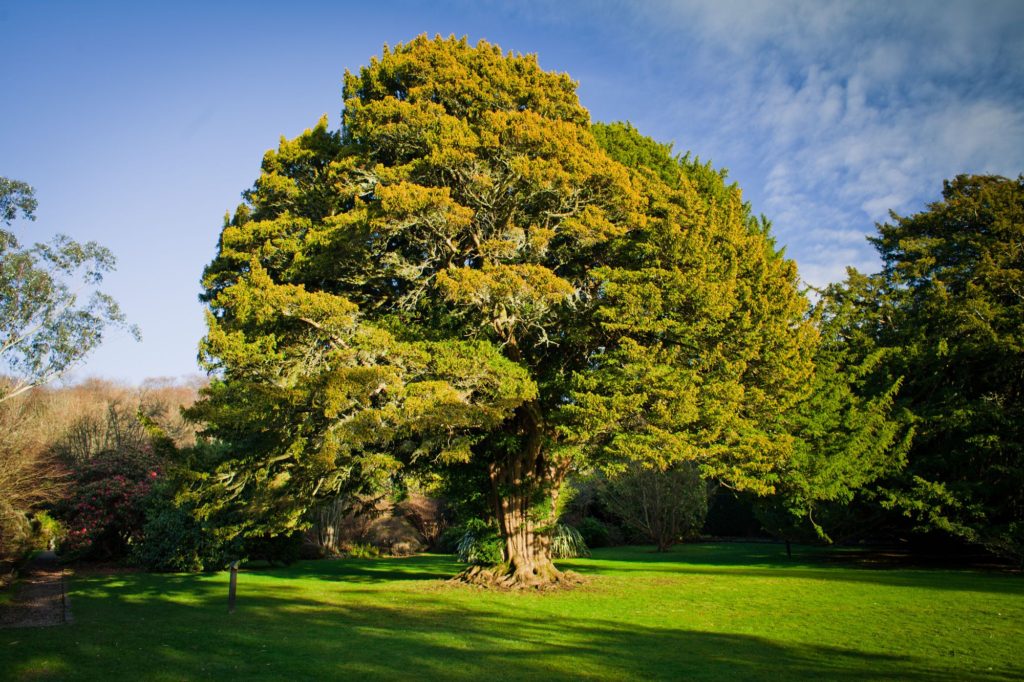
(724, 611)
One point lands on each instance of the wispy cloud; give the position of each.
(854, 109)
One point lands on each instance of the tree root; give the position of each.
(502, 577)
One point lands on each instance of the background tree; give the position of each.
(45, 328)
(467, 272)
(44, 331)
(663, 506)
(30, 476)
(848, 433)
(950, 315)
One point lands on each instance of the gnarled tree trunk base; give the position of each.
(502, 577)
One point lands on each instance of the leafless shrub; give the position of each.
(346, 522)
(427, 515)
(101, 416)
(665, 506)
(343, 521)
(29, 474)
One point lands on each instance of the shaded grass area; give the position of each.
(705, 612)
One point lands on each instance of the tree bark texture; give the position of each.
(525, 487)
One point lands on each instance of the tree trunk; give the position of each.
(527, 538)
(525, 487)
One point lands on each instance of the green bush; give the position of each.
(46, 530)
(448, 542)
(480, 544)
(172, 540)
(595, 532)
(363, 550)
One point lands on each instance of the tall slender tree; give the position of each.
(469, 270)
(848, 432)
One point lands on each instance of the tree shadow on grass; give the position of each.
(416, 567)
(135, 628)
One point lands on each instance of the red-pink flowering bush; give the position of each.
(105, 508)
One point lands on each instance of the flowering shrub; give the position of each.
(105, 508)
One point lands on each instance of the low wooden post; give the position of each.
(232, 584)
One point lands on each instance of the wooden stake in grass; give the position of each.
(232, 584)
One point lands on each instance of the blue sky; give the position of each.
(139, 124)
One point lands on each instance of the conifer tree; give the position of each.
(848, 432)
(468, 270)
(949, 313)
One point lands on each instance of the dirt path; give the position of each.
(40, 599)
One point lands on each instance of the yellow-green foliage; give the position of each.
(468, 267)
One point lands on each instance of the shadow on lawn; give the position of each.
(417, 567)
(288, 631)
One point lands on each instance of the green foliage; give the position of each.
(45, 326)
(567, 543)
(16, 197)
(711, 345)
(363, 550)
(663, 506)
(948, 314)
(448, 543)
(480, 544)
(46, 530)
(594, 532)
(625, 144)
(173, 540)
(847, 432)
(468, 272)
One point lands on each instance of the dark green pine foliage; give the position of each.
(951, 317)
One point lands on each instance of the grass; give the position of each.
(703, 612)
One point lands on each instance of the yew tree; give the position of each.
(950, 315)
(468, 270)
(849, 433)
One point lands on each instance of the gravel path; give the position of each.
(40, 599)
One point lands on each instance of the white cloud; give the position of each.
(855, 109)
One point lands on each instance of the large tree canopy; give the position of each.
(469, 270)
